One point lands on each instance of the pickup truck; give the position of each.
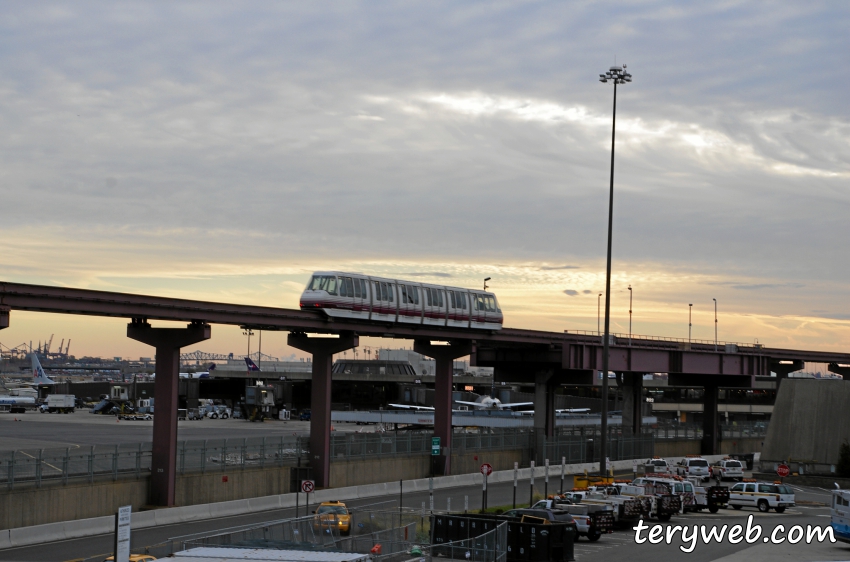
(592, 521)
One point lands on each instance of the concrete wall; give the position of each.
(810, 421)
(25, 506)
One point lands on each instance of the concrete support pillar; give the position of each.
(167, 342)
(323, 350)
(710, 425)
(632, 403)
(544, 413)
(443, 355)
(4, 317)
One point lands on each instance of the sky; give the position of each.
(224, 151)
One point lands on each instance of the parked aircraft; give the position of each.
(38, 376)
(251, 365)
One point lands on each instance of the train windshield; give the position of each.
(323, 283)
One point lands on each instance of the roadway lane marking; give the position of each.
(46, 463)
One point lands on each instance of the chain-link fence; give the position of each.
(587, 448)
(491, 546)
(33, 467)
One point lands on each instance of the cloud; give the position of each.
(427, 274)
(554, 268)
(571, 292)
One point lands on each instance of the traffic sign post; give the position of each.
(531, 482)
(546, 481)
(435, 446)
(563, 471)
(307, 486)
(783, 470)
(516, 477)
(486, 470)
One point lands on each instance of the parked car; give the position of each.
(306, 415)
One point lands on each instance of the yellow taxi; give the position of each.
(134, 558)
(330, 515)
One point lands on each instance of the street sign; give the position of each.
(122, 534)
(307, 486)
(486, 469)
(435, 446)
(782, 470)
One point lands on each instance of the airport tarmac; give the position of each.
(33, 430)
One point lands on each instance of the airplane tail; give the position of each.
(38, 376)
(251, 365)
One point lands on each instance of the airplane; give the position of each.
(251, 365)
(490, 403)
(38, 376)
(412, 407)
(195, 375)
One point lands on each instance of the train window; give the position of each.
(342, 292)
(480, 301)
(390, 291)
(384, 296)
(403, 294)
(461, 300)
(346, 288)
(452, 299)
(491, 304)
(323, 283)
(377, 290)
(427, 292)
(415, 291)
(358, 293)
(363, 290)
(331, 285)
(440, 297)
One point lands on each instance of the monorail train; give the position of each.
(354, 295)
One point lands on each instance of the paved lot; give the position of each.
(39, 431)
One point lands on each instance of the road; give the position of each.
(619, 546)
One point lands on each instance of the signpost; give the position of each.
(435, 446)
(531, 493)
(122, 534)
(563, 471)
(516, 477)
(782, 470)
(546, 481)
(486, 469)
(307, 486)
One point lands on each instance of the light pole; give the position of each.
(485, 282)
(690, 310)
(715, 324)
(617, 75)
(599, 314)
(248, 332)
(630, 315)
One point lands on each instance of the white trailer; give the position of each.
(60, 403)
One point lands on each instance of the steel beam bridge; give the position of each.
(546, 359)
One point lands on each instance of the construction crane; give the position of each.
(48, 344)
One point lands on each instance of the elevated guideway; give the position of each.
(546, 359)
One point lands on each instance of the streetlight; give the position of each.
(630, 315)
(690, 310)
(485, 282)
(248, 332)
(599, 314)
(617, 75)
(715, 324)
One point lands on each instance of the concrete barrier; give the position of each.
(38, 534)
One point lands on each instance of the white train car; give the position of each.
(354, 295)
(840, 515)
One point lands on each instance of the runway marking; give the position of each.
(47, 463)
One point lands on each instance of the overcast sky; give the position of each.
(224, 151)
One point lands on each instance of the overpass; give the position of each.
(546, 359)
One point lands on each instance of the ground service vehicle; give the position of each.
(693, 465)
(840, 514)
(656, 464)
(354, 295)
(134, 558)
(60, 403)
(215, 412)
(762, 495)
(713, 498)
(727, 469)
(592, 521)
(332, 515)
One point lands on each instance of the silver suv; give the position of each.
(693, 466)
(727, 469)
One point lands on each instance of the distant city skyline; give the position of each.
(224, 152)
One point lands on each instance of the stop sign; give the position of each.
(782, 470)
(486, 469)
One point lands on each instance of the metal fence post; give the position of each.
(91, 464)
(65, 462)
(223, 456)
(11, 478)
(263, 453)
(38, 465)
(244, 451)
(139, 461)
(204, 457)
(115, 464)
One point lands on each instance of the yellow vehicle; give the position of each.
(135, 558)
(331, 515)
